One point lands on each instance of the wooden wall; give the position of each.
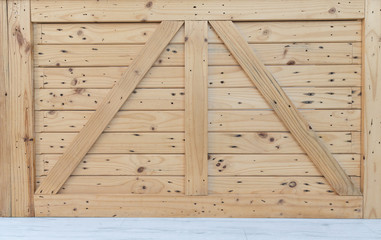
(248, 161)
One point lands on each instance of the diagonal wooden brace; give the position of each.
(109, 107)
(285, 109)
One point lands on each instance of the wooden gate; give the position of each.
(194, 109)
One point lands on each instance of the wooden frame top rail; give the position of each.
(160, 10)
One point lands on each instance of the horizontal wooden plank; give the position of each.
(124, 121)
(106, 77)
(271, 205)
(219, 76)
(254, 32)
(170, 121)
(219, 98)
(175, 185)
(123, 55)
(272, 185)
(121, 185)
(247, 120)
(279, 142)
(158, 10)
(115, 143)
(272, 165)
(219, 165)
(248, 142)
(118, 164)
(89, 99)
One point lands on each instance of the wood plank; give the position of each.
(247, 120)
(159, 10)
(287, 112)
(269, 165)
(272, 185)
(173, 55)
(118, 164)
(278, 142)
(175, 185)
(5, 159)
(124, 121)
(196, 108)
(163, 185)
(218, 76)
(115, 143)
(218, 164)
(106, 77)
(372, 115)
(281, 205)
(90, 99)
(173, 121)
(109, 107)
(233, 142)
(21, 108)
(254, 32)
(219, 98)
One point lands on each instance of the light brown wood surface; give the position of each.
(285, 109)
(196, 107)
(218, 76)
(108, 108)
(281, 205)
(173, 55)
(159, 10)
(218, 164)
(254, 32)
(372, 113)
(218, 98)
(5, 159)
(21, 127)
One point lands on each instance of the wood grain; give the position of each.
(159, 10)
(173, 55)
(254, 32)
(21, 133)
(173, 121)
(218, 98)
(5, 158)
(231, 142)
(372, 115)
(196, 108)
(218, 164)
(108, 108)
(218, 76)
(281, 205)
(285, 109)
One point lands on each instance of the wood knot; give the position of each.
(149, 4)
(291, 62)
(332, 10)
(141, 169)
(263, 135)
(292, 184)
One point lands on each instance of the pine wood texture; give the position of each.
(285, 109)
(159, 10)
(21, 125)
(196, 107)
(5, 159)
(109, 107)
(254, 32)
(372, 115)
(281, 205)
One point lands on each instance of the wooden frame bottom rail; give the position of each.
(245, 206)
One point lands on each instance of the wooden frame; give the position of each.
(16, 107)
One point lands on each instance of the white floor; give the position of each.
(186, 229)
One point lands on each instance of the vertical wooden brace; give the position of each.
(5, 160)
(196, 107)
(21, 107)
(285, 109)
(372, 112)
